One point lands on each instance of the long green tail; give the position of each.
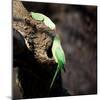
(54, 76)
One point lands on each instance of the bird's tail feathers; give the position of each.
(54, 77)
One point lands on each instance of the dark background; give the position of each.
(77, 27)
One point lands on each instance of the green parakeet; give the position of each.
(59, 57)
(46, 20)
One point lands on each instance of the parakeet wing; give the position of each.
(60, 56)
(37, 16)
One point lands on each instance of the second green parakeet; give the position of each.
(59, 57)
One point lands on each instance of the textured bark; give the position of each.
(35, 33)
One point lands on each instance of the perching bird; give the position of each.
(59, 57)
(46, 20)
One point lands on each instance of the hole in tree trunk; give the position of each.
(49, 52)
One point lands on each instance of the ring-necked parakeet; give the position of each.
(59, 57)
(46, 20)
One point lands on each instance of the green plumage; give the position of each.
(46, 20)
(59, 57)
